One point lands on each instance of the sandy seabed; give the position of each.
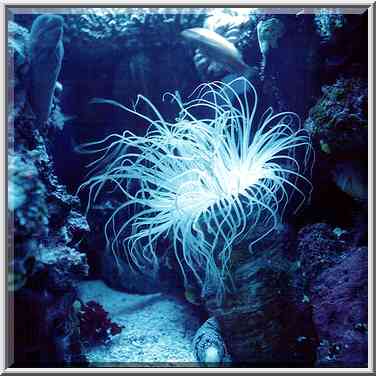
(158, 329)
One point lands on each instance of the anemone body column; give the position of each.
(262, 322)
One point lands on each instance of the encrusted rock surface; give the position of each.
(318, 248)
(336, 287)
(130, 28)
(338, 121)
(339, 299)
(46, 226)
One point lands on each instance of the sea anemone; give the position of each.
(203, 183)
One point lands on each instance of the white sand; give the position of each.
(158, 328)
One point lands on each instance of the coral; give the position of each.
(229, 22)
(18, 67)
(340, 313)
(338, 121)
(205, 182)
(111, 43)
(113, 31)
(335, 286)
(328, 21)
(96, 327)
(139, 28)
(46, 55)
(26, 197)
(45, 223)
(43, 270)
(339, 128)
(21, 268)
(269, 32)
(318, 248)
(57, 119)
(17, 45)
(63, 266)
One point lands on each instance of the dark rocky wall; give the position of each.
(45, 224)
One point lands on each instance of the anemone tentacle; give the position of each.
(204, 183)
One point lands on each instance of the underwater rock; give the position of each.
(230, 22)
(116, 272)
(76, 227)
(269, 32)
(141, 74)
(209, 347)
(28, 218)
(335, 285)
(328, 22)
(261, 322)
(46, 329)
(339, 128)
(33, 338)
(19, 271)
(46, 54)
(99, 46)
(45, 222)
(339, 300)
(17, 46)
(26, 197)
(122, 80)
(292, 67)
(318, 248)
(64, 267)
(42, 262)
(18, 68)
(113, 29)
(337, 29)
(338, 121)
(119, 275)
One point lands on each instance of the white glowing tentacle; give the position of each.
(206, 182)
